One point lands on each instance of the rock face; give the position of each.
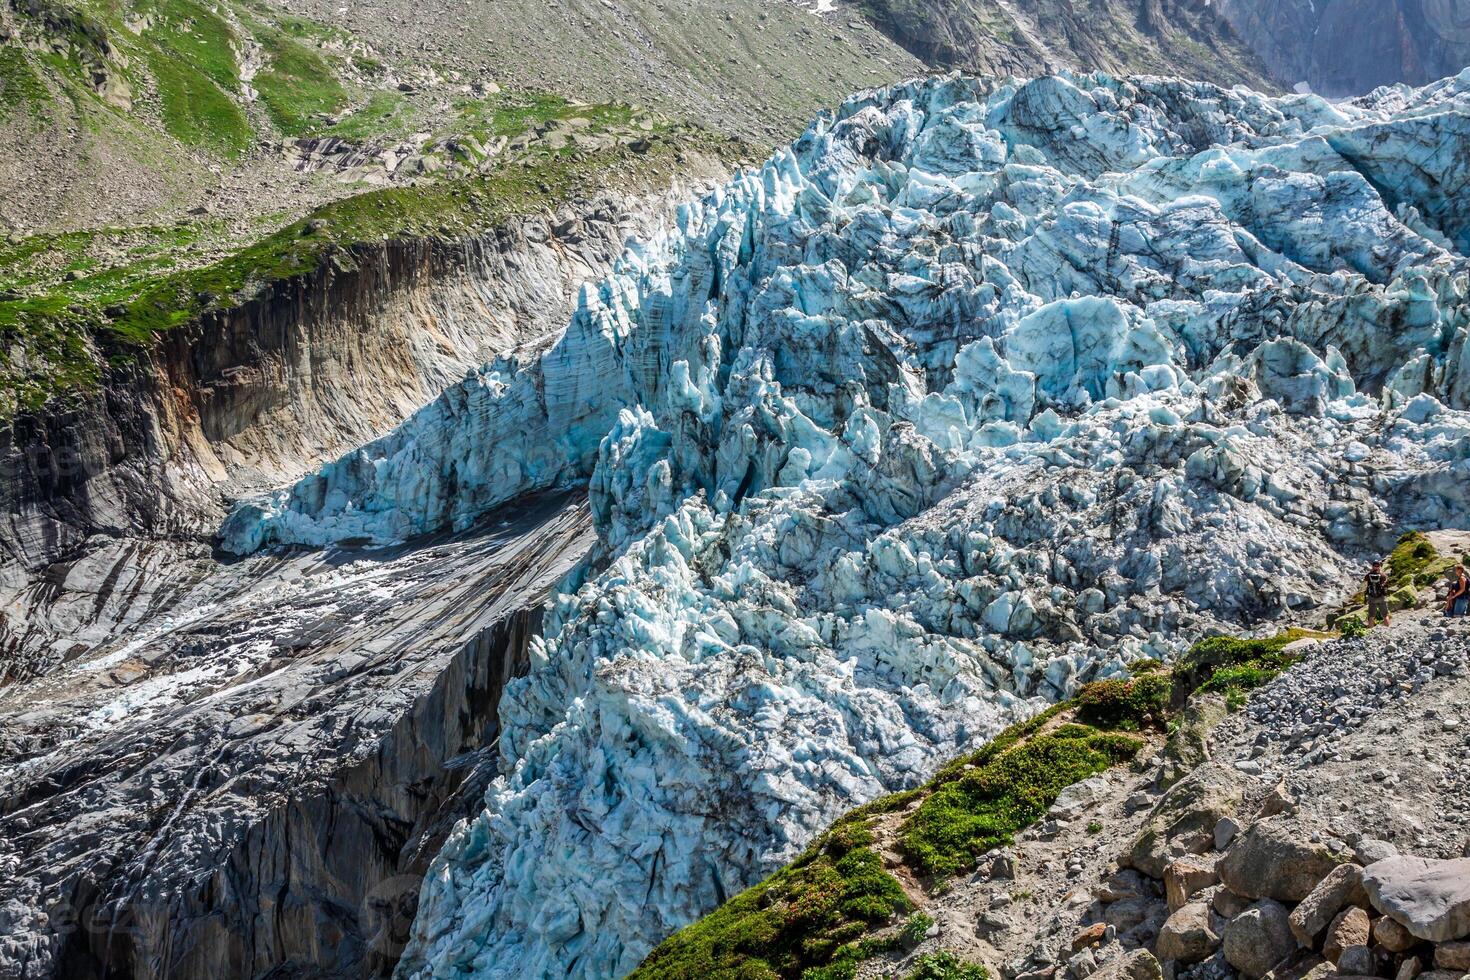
(1028, 37)
(1431, 899)
(97, 492)
(259, 784)
(979, 390)
(1349, 47)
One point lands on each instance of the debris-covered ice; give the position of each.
(976, 391)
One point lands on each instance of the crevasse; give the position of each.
(978, 390)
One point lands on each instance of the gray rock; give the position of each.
(1190, 935)
(1137, 965)
(1183, 821)
(1358, 961)
(1268, 861)
(1342, 887)
(1259, 938)
(1225, 832)
(1430, 898)
(1369, 850)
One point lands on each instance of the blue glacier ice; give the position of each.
(979, 390)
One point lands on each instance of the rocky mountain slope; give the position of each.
(979, 392)
(1184, 38)
(1296, 837)
(1349, 47)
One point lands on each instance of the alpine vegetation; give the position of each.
(978, 391)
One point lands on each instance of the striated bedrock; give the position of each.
(977, 391)
(254, 783)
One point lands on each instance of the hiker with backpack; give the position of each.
(1375, 588)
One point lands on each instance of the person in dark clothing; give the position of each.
(1458, 603)
(1375, 587)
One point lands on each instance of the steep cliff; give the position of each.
(257, 781)
(1349, 47)
(1185, 38)
(259, 392)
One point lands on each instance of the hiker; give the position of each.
(1376, 589)
(1458, 603)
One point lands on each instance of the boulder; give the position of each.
(1188, 746)
(1137, 965)
(1350, 928)
(1342, 887)
(1268, 861)
(1453, 956)
(1190, 935)
(1409, 969)
(1090, 936)
(1184, 819)
(1185, 876)
(1392, 936)
(1080, 797)
(1370, 849)
(1227, 903)
(1357, 961)
(1259, 939)
(1430, 898)
(1225, 832)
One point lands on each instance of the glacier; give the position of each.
(979, 390)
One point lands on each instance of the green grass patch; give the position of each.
(384, 113)
(985, 807)
(945, 966)
(297, 86)
(21, 89)
(192, 60)
(800, 922)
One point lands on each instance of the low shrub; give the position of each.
(985, 807)
(946, 966)
(1127, 705)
